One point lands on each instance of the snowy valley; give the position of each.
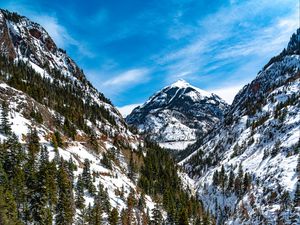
(184, 157)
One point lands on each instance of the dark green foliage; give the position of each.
(238, 183)
(113, 217)
(157, 218)
(65, 208)
(58, 139)
(69, 99)
(5, 126)
(87, 177)
(297, 194)
(103, 198)
(33, 142)
(8, 208)
(79, 201)
(183, 217)
(159, 178)
(15, 17)
(37, 116)
(132, 167)
(106, 161)
(230, 181)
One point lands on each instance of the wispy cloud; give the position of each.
(128, 78)
(229, 35)
(59, 33)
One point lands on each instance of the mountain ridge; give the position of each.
(247, 166)
(178, 114)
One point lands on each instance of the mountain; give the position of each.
(66, 154)
(178, 114)
(247, 170)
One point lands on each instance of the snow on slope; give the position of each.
(25, 41)
(178, 114)
(114, 179)
(261, 132)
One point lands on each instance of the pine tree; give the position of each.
(141, 202)
(246, 182)
(222, 178)
(124, 217)
(97, 211)
(230, 181)
(183, 217)
(103, 197)
(65, 205)
(5, 126)
(79, 201)
(156, 215)
(238, 183)
(87, 177)
(8, 209)
(93, 142)
(298, 166)
(39, 199)
(297, 194)
(130, 205)
(113, 217)
(285, 200)
(33, 143)
(216, 178)
(131, 167)
(58, 139)
(13, 156)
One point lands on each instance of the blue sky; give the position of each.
(131, 48)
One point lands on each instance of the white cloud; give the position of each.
(59, 33)
(232, 33)
(128, 78)
(127, 109)
(228, 93)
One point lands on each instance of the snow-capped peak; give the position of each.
(178, 114)
(182, 84)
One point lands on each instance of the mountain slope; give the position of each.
(66, 155)
(247, 169)
(178, 114)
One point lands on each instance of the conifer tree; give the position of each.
(297, 194)
(131, 167)
(246, 182)
(216, 178)
(5, 124)
(130, 205)
(183, 217)
(65, 205)
(238, 183)
(79, 201)
(113, 217)
(33, 143)
(230, 181)
(298, 166)
(87, 177)
(97, 211)
(8, 209)
(103, 197)
(39, 206)
(157, 218)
